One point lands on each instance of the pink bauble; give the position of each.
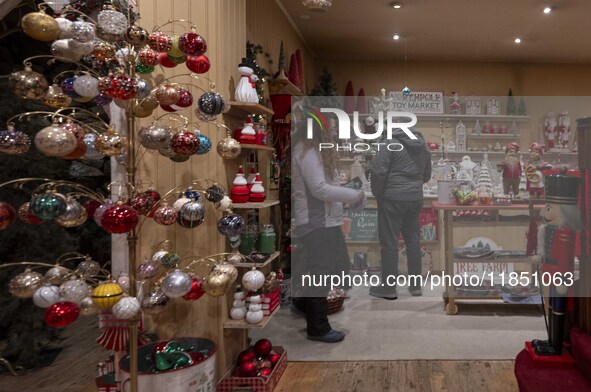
(184, 143)
(119, 219)
(192, 44)
(165, 215)
(198, 64)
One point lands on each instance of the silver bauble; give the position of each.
(191, 214)
(123, 281)
(157, 257)
(56, 275)
(147, 270)
(112, 24)
(225, 204)
(74, 290)
(88, 268)
(91, 152)
(176, 284)
(61, 48)
(180, 202)
(46, 295)
(55, 141)
(80, 48)
(143, 88)
(74, 216)
(82, 31)
(25, 284)
(64, 25)
(253, 280)
(154, 302)
(154, 136)
(88, 307)
(126, 308)
(86, 86)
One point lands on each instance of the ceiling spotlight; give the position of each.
(517, 40)
(396, 37)
(396, 5)
(547, 10)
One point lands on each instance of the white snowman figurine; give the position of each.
(246, 88)
(255, 313)
(238, 311)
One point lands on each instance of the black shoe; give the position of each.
(383, 292)
(415, 291)
(331, 336)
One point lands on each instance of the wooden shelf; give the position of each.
(246, 206)
(257, 265)
(502, 259)
(369, 242)
(243, 109)
(284, 86)
(474, 117)
(262, 147)
(243, 324)
(492, 136)
(464, 152)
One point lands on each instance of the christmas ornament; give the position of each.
(154, 302)
(144, 88)
(168, 109)
(81, 31)
(204, 143)
(137, 36)
(74, 290)
(148, 56)
(198, 64)
(140, 112)
(262, 348)
(88, 307)
(155, 136)
(40, 26)
(67, 86)
(7, 215)
(191, 214)
(86, 86)
(263, 364)
(112, 25)
(103, 51)
(74, 216)
(79, 133)
(118, 86)
(197, 289)
(215, 193)
(88, 268)
(406, 91)
(216, 283)
(228, 148)
(182, 200)
(170, 260)
(176, 284)
(247, 355)
(55, 98)
(126, 308)
(25, 284)
(192, 44)
(176, 60)
(164, 60)
(46, 295)
(142, 203)
(184, 143)
(165, 215)
(102, 100)
(143, 68)
(257, 192)
(55, 141)
(98, 213)
(157, 257)
(192, 194)
(80, 49)
(274, 358)
(174, 49)
(48, 205)
(229, 270)
(211, 104)
(185, 100)
(231, 225)
(61, 314)
(254, 315)
(24, 214)
(91, 206)
(56, 275)
(225, 204)
(64, 27)
(119, 219)
(61, 48)
(167, 94)
(147, 270)
(160, 42)
(110, 143)
(123, 281)
(248, 369)
(253, 280)
(28, 84)
(91, 152)
(106, 295)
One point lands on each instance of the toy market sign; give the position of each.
(418, 102)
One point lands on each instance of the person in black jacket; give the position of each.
(397, 179)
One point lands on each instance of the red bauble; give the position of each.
(263, 347)
(196, 291)
(185, 100)
(198, 64)
(248, 369)
(158, 348)
(160, 42)
(184, 143)
(197, 357)
(155, 196)
(91, 206)
(148, 57)
(165, 61)
(168, 108)
(265, 372)
(61, 314)
(192, 44)
(119, 219)
(7, 215)
(274, 358)
(246, 356)
(81, 146)
(25, 215)
(118, 86)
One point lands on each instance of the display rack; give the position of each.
(243, 324)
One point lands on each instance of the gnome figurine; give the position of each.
(511, 169)
(239, 191)
(246, 88)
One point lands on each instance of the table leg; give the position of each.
(451, 308)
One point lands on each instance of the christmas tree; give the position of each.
(522, 111)
(252, 52)
(484, 182)
(326, 86)
(281, 72)
(511, 108)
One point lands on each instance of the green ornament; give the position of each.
(143, 69)
(48, 205)
(176, 60)
(175, 50)
(170, 260)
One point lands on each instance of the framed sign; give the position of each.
(419, 102)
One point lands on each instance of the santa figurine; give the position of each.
(511, 169)
(247, 134)
(246, 89)
(533, 171)
(239, 192)
(564, 130)
(257, 192)
(556, 252)
(550, 125)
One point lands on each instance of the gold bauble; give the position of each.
(74, 216)
(142, 112)
(55, 98)
(55, 141)
(56, 275)
(25, 284)
(107, 294)
(28, 84)
(229, 148)
(40, 26)
(88, 307)
(110, 143)
(150, 102)
(229, 270)
(216, 284)
(103, 51)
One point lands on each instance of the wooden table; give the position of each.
(450, 292)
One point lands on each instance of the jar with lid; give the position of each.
(267, 239)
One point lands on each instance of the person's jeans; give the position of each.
(395, 217)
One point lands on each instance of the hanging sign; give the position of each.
(418, 102)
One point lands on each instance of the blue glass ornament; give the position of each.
(191, 194)
(231, 225)
(143, 88)
(68, 88)
(102, 100)
(211, 104)
(204, 144)
(406, 91)
(48, 205)
(191, 214)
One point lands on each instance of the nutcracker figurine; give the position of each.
(556, 252)
(550, 126)
(564, 130)
(511, 169)
(533, 171)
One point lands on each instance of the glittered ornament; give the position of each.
(64, 27)
(147, 270)
(164, 61)
(143, 68)
(225, 204)
(160, 42)
(124, 281)
(204, 143)
(14, 142)
(25, 284)
(141, 112)
(154, 136)
(211, 104)
(55, 141)
(100, 210)
(118, 86)
(157, 256)
(119, 218)
(88, 307)
(165, 215)
(406, 91)
(229, 148)
(185, 100)
(180, 202)
(63, 49)
(229, 270)
(79, 133)
(103, 51)
(198, 64)
(196, 291)
(28, 84)
(46, 295)
(86, 86)
(174, 50)
(148, 56)
(184, 143)
(88, 268)
(48, 205)
(82, 31)
(170, 260)
(91, 152)
(191, 214)
(167, 94)
(40, 26)
(216, 283)
(112, 25)
(253, 280)
(176, 284)
(150, 102)
(74, 290)
(110, 143)
(80, 49)
(106, 295)
(231, 225)
(61, 314)
(126, 308)
(215, 193)
(74, 216)
(67, 86)
(137, 36)
(192, 44)
(143, 202)
(55, 98)
(56, 275)
(24, 214)
(167, 108)
(154, 302)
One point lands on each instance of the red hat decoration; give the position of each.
(537, 147)
(512, 146)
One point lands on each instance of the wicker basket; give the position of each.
(335, 304)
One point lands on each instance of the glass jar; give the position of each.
(267, 239)
(248, 238)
